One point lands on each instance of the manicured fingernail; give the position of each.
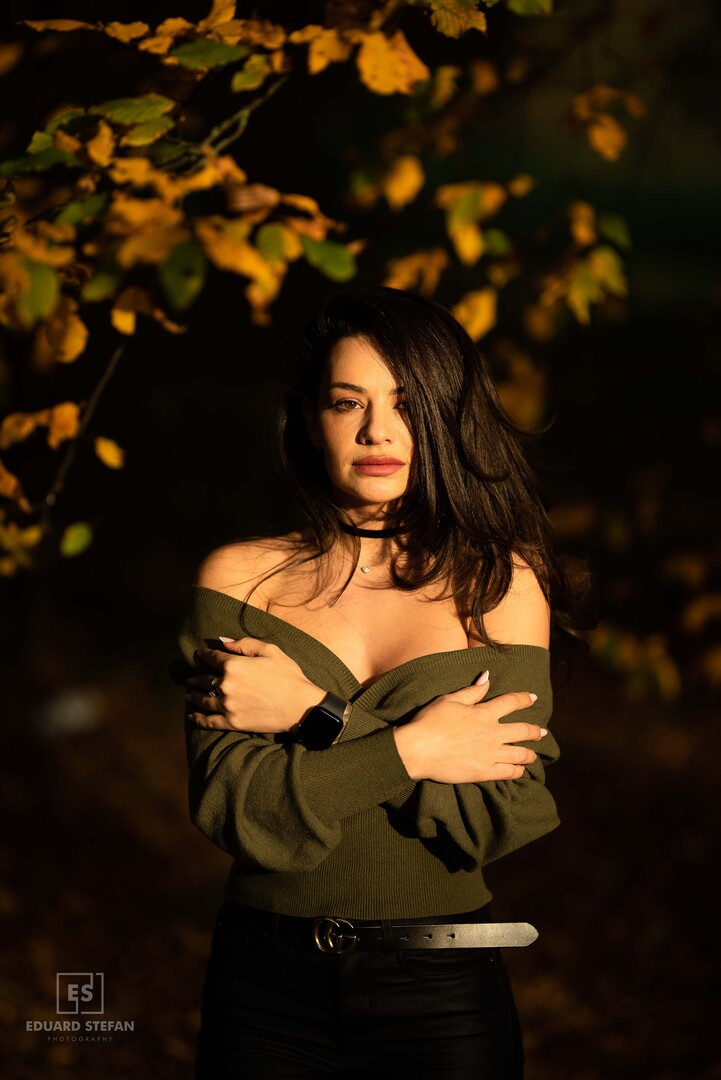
(533, 697)
(482, 678)
(226, 638)
(544, 731)
(189, 716)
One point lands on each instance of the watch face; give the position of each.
(319, 730)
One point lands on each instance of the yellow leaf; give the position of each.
(34, 247)
(389, 65)
(100, 148)
(422, 269)
(109, 452)
(126, 214)
(151, 245)
(468, 242)
(327, 48)
(165, 34)
(63, 141)
(583, 223)
(605, 265)
(476, 312)
(63, 337)
(16, 427)
(445, 84)
(63, 423)
(11, 488)
(126, 32)
(403, 181)
(455, 17)
(607, 137)
(230, 251)
(222, 11)
(133, 301)
(57, 24)
(522, 391)
(520, 185)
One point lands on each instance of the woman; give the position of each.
(343, 732)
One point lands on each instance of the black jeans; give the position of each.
(276, 1007)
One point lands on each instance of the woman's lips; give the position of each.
(378, 470)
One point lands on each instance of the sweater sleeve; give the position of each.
(478, 823)
(275, 806)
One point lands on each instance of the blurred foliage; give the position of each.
(125, 210)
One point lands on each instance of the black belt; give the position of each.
(337, 934)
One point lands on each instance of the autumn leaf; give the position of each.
(583, 223)
(403, 181)
(135, 301)
(606, 136)
(455, 17)
(422, 270)
(325, 46)
(75, 539)
(61, 338)
(388, 65)
(109, 452)
(476, 311)
(101, 147)
(11, 488)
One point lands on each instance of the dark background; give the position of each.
(103, 870)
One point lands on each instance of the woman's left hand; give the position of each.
(258, 688)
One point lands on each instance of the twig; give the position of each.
(56, 488)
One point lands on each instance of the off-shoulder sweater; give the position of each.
(346, 831)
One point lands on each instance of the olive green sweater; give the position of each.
(346, 831)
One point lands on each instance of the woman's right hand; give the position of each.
(457, 738)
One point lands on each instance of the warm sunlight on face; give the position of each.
(358, 422)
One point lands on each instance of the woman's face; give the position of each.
(363, 419)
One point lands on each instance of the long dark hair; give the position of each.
(472, 500)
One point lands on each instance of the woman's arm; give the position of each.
(479, 822)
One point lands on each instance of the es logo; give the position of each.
(80, 992)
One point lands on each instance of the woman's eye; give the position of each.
(351, 401)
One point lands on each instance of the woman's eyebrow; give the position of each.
(361, 389)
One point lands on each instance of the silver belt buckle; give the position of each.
(330, 936)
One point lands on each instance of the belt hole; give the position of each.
(429, 936)
(450, 935)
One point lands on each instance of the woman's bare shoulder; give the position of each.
(523, 616)
(233, 568)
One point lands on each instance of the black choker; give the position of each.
(354, 530)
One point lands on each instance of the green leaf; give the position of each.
(45, 159)
(83, 210)
(269, 242)
(182, 275)
(495, 242)
(75, 539)
(252, 75)
(142, 134)
(41, 140)
(530, 7)
(106, 280)
(615, 228)
(134, 110)
(41, 299)
(465, 210)
(204, 53)
(333, 260)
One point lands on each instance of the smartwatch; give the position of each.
(323, 724)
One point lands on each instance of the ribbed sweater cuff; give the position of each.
(353, 776)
